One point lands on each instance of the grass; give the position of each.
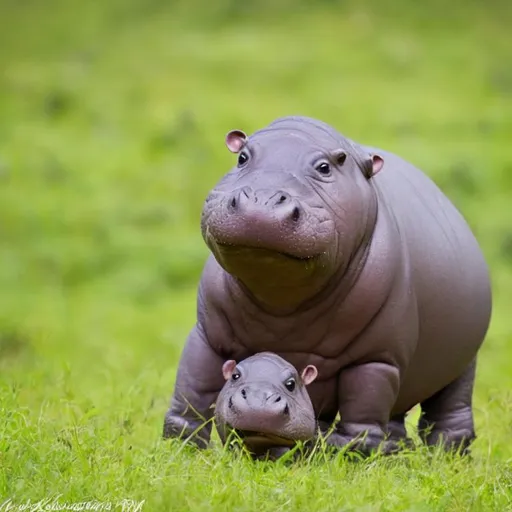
(112, 117)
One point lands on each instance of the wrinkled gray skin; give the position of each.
(266, 402)
(344, 257)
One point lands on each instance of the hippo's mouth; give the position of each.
(239, 237)
(241, 249)
(254, 438)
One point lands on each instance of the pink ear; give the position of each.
(228, 368)
(309, 374)
(377, 164)
(235, 140)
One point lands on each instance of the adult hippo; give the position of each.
(348, 258)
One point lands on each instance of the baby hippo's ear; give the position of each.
(309, 374)
(235, 140)
(375, 164)
(228, 368)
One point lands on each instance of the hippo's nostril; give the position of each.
(244, 393)
(296, 214)
(233, 203)
(230, 402)
(286, 410)
(278, 399)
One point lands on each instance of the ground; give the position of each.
(112, 119)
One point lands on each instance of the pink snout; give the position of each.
(259, 410)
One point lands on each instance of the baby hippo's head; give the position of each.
(266, 402)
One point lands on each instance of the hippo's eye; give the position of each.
(324, 168)
(290, 384)
(242, 158)
(235, 376)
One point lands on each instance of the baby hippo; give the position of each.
(266, 402)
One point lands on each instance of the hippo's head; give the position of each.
(294, 211)
(266, 402)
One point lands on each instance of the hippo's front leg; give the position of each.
(198, 382)
(366, 396)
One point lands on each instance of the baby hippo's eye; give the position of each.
(235, 376)
(324, 168)
(290, 384)
(242, 158)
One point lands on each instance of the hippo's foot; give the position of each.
(363, 439)
(365, 445)
(272, 454)
(447, 417)
(451, 440)
(195, 433)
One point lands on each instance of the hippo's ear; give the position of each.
(235, 140)
(309, 374)
(375, 164)
(228, 368)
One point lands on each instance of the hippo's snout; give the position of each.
(270, 401)
(254, 408)
(279, 218)
(275, 205)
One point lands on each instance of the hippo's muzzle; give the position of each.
(264, 204)
(258, 409)
(259, 415)
(272, 219)
(266, 219)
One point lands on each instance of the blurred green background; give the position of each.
(112, 123)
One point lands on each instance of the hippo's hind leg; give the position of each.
(447, 416)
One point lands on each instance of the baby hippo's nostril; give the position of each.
(278, 399)
(244, 393)
(286, 410)
(295, 214)
(239, 198)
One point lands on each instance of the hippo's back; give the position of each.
(448, 272)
